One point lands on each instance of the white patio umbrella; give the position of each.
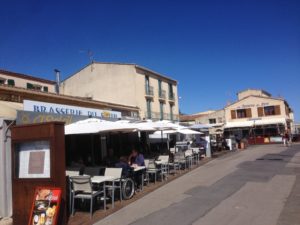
(93, 125)
(140, 126)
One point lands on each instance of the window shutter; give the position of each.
(233, 114)
(248, 113)
(260, 111)
(277, 110)
(11, 82)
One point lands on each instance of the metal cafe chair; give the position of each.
(71, 173)
(82, 189)
(151, 169)
(116, 183)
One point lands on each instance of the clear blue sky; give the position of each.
(214, 48)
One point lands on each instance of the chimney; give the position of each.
(57, 78)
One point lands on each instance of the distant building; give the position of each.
(13, 79)
(213, 120)
(154, 94)
(258, 116)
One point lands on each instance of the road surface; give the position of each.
(257, 186)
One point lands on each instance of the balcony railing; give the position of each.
(149, 91)
(158, 116)
(162, 94)
(171, 97)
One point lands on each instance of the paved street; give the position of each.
(258, 186)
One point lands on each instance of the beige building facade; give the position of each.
(155, 95)
(259, 116)
(27, 82)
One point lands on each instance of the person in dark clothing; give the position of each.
(137, 159)
(124, 165)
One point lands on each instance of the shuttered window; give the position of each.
(277, 110)
(11, 82)
(248, 113)
(233, 114)
(260, 111)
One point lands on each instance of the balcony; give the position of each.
(162, 95)
(172, 97)
(157, 116)
(149, 91)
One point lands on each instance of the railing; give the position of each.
(171, 97)
(149, 90)
(157, 116)
(162, 94)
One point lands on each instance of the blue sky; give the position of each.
(214, 48)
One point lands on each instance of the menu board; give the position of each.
(45, 206)
(34, 159)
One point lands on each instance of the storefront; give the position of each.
(257, 131)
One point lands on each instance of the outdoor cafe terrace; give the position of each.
(98, 185)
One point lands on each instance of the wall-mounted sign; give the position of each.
(45, 207)
(244, 106)
(45, 107)
(26, 117)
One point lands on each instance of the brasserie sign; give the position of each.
(45, 107)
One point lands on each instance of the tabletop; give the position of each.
(138, 168)
(101, 179)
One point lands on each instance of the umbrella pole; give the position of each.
(161, 143)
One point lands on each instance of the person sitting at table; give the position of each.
(123, 163)
(136, 158)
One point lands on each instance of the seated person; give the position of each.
(136, 158)
(123, 163)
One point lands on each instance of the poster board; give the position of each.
(33, 159)
(45, 206)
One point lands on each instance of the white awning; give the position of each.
(252, 123)
(92, 126)
(8, 110)
(270, 121)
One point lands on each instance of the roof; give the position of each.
(126, 64)
(255, 89)
(25, 76)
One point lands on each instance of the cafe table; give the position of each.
(137, 169)
(102, 180)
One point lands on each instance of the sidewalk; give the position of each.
(175, 201)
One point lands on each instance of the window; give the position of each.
(149, 116)
(212, 121)
(11, 82)
(243, 113)
(171, 112)
(171, 93)
(269, 110)
(45, 89)
(161, 106)
(29, 86)
(34, 86)
(159, 88)
(2, 80)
